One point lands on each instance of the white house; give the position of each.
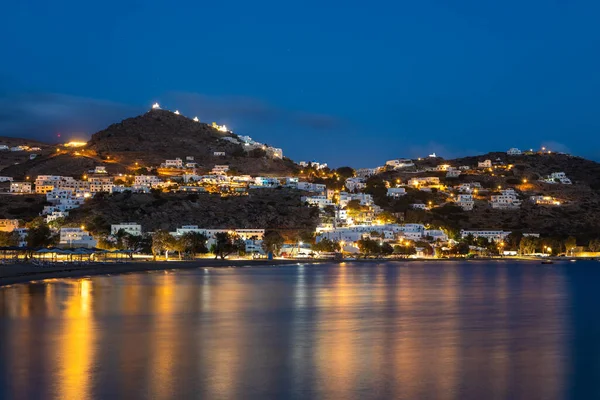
(311, 187)
(20, 187)
(545, 200)
(319, 201)
(506, 200)
(418, 206)
(514, 152)
(129, 227)
(76, 237)
(4, 147)
(54, 215)
(557, 177)
(425, 181)
(484, 164)
(396, 192)
(493, 235)
(355, 184)
(176, 163)
(8, 225)
(453, 173)
(465, 201)
(219, 154)
(366, 172)
(6, 179)
(147, 180)
(267, 181)
(400, 163)
(274, 152)
(220, 169)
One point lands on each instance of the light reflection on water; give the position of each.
(352, 331)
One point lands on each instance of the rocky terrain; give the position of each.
(279, 209)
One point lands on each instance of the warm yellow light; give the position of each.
(75, 143)
(82, 227)
(524, 180)
(85, 177)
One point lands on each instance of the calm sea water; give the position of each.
(494, 330)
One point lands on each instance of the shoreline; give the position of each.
(25, 272)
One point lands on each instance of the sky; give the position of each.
(344, 82)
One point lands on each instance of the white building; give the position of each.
(545, 200)
(319, 201)
(425, 181)
(4, 147)
(128, 227)
(468, 187)
(418, 206)
(454, 173)
(274, 152)
(366, 172)
(488, 234)
(147, 180)
(557, 177)
(76, 237)
(365, 199)
(267, 181)
(8, 225)
(354, 184)
(484, 164)
(311, 187)
(400, 163)
(396, 192)
(514, 152)
(55, 215)
(220, 169)
(6, 179)
(219, 154)
(506, 200)
(465, 201)
(176, 163)
(20, 187)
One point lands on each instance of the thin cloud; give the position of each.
(249, 110)
(44, 115)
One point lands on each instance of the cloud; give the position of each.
(249, 110)
(43, 116)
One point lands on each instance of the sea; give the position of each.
(355, 330)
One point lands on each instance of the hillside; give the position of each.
(144, 141)
(16, 158)
(151, 138)
(578, 215)
(265, 208)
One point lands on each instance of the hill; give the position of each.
(147, 141)
(578, 215)
(157, 135)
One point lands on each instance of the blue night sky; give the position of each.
(343, 82)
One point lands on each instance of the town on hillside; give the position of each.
(486, 206)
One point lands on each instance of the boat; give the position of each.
(547, 262)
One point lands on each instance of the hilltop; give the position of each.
(147, 141)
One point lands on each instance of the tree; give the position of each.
(272, 242)
(594, 245)
(570, 244)
(528, 245)
(39, 234)
(195, 243)
(326, 245)
(8, 239)
(345, 172)
(405, 250)
(385, 217)
(227, 243)
(162, 241)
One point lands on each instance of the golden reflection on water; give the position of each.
(329, 333)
